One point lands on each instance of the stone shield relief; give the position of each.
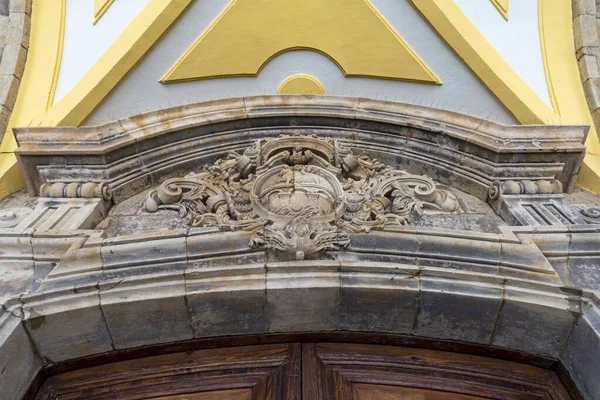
(300, 195)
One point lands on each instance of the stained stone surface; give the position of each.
(259, 227)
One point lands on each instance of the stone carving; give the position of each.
(300, 195)
(12, 217)
(85, 190)
(524, 187)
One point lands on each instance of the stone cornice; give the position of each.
(139, 152)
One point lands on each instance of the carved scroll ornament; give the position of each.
(300, 195)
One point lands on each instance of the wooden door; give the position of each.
(310, 371)
(372, 372)
(268, 372)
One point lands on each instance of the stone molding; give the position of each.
(421, 139)
(587, 51)
(131, 308)
(14, 44)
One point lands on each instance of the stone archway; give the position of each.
(471, 254)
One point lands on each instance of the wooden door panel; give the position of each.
(237, 394)
(264, 372)
(380, 392)
(345, 371)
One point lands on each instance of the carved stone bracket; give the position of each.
(300, 195)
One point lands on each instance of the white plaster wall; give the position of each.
(85, 42)
(516, 40)
(141, 91)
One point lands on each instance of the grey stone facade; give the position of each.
(91, 266)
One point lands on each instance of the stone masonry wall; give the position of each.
(586, 22)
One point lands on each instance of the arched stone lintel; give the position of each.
(324, 297)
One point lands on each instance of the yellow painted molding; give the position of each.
(589, 174)
(459, 32)
(564, 81)
(100, 8)
(502, 6)
(129, 48)
(352, 33)
(41, 68)
(562, 71)
(11, 179)
(59, 53)
(301, 84)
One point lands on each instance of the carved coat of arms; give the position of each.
(300, 194)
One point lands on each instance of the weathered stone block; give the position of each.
(18, 362)
(68, 326)
(19, 29)
(586, 33)
(144, 253)
(227, 300)
(20, 6)
(303, 298)
(534, 323)
(460, 311)
(378, 299)
(581, 7)
(146, 311)
(582, 354)
(13, 60)
(9, 86)
(16, 277)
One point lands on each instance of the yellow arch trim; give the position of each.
(100, 8)
(141, 34)
(34, 105)
(301, 84)
(252, 34)
(458, 31)
(564, 82)
(502, 7)
(59, 53)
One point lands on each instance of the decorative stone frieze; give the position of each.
(300, 195)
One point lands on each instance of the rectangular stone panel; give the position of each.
(227, 301)
(582, 354)
(300, 305)
(68, 327)
(378, 299)
(536, 323)
(459, 311)
(145, 312)
(18, 362)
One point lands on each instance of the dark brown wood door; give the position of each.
(321, 371)
(372, 372)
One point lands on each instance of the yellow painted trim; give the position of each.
(301, 84)
(59, 54)
(256, 33)
(11, 179)
(41, 68)
(459, 32)
(545, 45)
(502, 7)
(141, 34)
(565, 82)
(100, 8)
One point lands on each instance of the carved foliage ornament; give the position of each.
(300, 195)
